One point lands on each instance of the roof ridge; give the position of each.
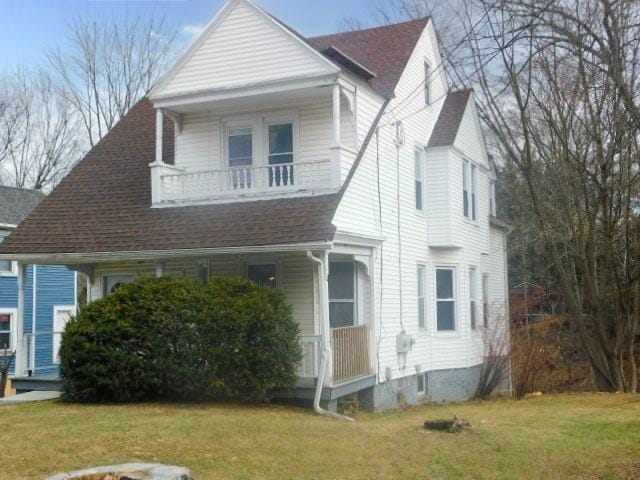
(377, 27)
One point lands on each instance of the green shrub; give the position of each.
(177, 339)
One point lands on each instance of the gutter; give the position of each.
(326, 350)
(94, 257)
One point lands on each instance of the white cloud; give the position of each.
(192, 31)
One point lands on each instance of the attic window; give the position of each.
(427, 90)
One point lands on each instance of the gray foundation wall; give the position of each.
(452, 385)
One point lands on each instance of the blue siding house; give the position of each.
(50, 296)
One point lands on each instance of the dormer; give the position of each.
(258, 112)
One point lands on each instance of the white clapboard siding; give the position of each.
(459, 244)
(245, 47)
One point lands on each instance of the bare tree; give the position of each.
(107, 67)
(38, 133)
(562, 120)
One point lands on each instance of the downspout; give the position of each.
(326, 346)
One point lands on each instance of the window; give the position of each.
(427, 92)
(422, 323)
(240, 146)
(342, 294)
(474, 191)
(472, 297)
(445, 300)
(422, 384)
(469, 189)
(265, 274)
(280, 143)
(492, 198)
(419, 160)
(110, 283)
(485, 300)
(6, 323)
(6, 267)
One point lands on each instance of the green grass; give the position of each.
(563, 436)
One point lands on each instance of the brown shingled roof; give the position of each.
(104, 205)
(446, 127)
(384, 50)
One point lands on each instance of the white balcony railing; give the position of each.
(244, 181)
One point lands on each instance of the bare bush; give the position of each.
(495, 369)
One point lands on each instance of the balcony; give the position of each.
(179, 186)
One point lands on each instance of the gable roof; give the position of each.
(384, 51)
(104, 205)
(17, 203)
(446, 128)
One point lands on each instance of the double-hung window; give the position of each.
(485, 300)
(469, 190)
(472, 297)
(492, 198)
(419, 173)
(240, 146)
(6, 266)
(280, 153)
(445, 299)
(422, 320)
(6, 323)
(342, 294)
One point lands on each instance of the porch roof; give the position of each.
(104, 205)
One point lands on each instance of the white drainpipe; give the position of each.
(326, 347)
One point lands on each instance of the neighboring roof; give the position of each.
(104, 204)
(17, 203)
(384, 51)
(446, 127)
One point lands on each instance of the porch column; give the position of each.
(21, 346)
(159, 269)
(156, 166)
(335, 148)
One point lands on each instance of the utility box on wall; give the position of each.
(404, 343)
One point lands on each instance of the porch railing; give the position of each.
(249, 180)
(310, 364)
(350, 346)
(42, 350)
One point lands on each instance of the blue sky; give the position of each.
(29, 27)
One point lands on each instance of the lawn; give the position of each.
(576, 436)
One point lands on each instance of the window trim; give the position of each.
(454, 299)
(419, 160)
(13, 312)
(233, 125)
(473, 297)
(356, 317)
(422, 298)
(474, 192)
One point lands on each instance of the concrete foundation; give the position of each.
(451, 385)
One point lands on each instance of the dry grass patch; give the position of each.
(563, 436)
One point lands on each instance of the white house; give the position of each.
(338, 168)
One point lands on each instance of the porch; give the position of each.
(333, 309)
